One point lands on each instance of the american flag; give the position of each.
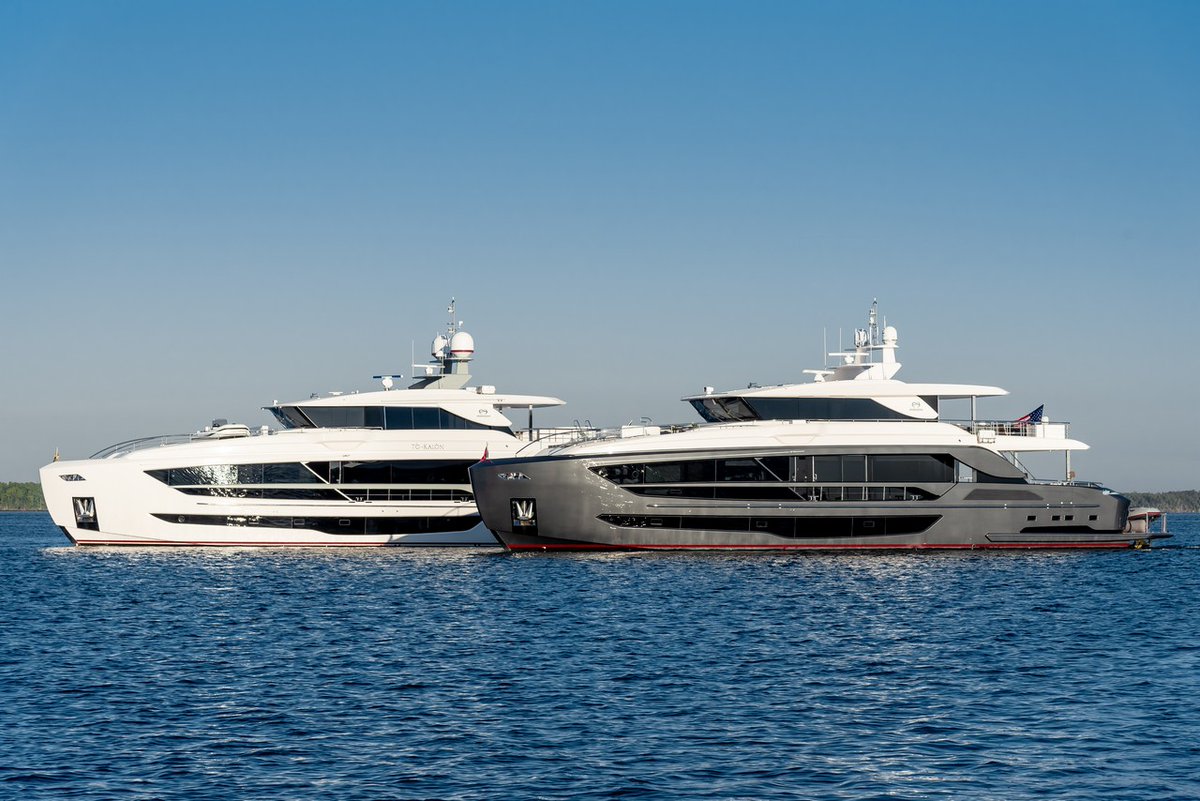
(1033, 417)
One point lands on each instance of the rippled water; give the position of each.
(277, 674)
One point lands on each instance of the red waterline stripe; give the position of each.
(989, 546)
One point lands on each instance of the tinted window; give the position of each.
(664, 473)
(249, 474)
(425, 418)
(398, 418)
(405, 472)
(430, 472)
(432, 419)
(820, 409)
(854, 468)
(741, 470)
(778, 466)
(292, 473)
(621, 473)
(223, 475)
(804, 468)
(723, 410)
(290, 417)
(336, 416)
(827, 468)
(909, 467)
(216, 474)
(366, 472)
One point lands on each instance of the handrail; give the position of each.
(141, 443)
(1010, 428)
(156, 441)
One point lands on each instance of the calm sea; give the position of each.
(376, 674)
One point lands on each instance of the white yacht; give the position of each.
(386, 467)
(853, 459)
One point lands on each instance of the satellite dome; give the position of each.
(462, 344)
(889, 335)
(439, 344)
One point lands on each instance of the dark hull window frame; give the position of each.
(859, 469)
(848, 527)
(332, 525)
(739, 408)
(390, 480)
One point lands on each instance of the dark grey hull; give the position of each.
(561, 503)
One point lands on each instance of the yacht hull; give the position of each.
(118, 502)
(560, 503)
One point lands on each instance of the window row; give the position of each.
(782, 493)
(401, 471)
(234, 474)
(791, 527)
(391, 418)
(333, 525)
(330, 494)
(846, 468)
(733, 408)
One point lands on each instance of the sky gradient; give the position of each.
(207, 207)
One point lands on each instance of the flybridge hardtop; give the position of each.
(387, 467)
(439, 385)
(854, 459)
(407, 408)
(862, 387)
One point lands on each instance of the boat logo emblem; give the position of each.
(524, 513)
(85, 513)
(512, 476)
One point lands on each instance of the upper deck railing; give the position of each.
(141, 443)
(163, 440)
(984, 429)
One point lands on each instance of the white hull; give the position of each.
(360, 469)
(124, 504)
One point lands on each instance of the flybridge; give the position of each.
(861, 387)
(438, 398)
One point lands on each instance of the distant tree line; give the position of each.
(18, 496)
(1179, 501)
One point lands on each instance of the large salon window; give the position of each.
(404, 418)
(740, 470)
(821, 409)
(833, 468)
(912, 468)
(394, 418)
(336, 416)
(224, 475)
(828, 469)
(680, 472)
(733, 409)
(408, 471)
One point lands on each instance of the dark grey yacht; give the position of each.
(854, 459)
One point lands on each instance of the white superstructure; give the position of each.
(857, 402)
(386, 467)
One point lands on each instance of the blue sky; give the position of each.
(205, 207)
